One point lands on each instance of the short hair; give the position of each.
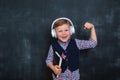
(60, 23)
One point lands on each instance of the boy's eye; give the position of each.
(60, 31)
(66, 30)
(63, 30)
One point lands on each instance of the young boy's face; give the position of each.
(63, 32)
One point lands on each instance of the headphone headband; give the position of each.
(60, 19)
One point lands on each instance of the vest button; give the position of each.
(65, 51)
(66, 59)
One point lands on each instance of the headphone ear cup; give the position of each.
(72, 30)
(53, 33)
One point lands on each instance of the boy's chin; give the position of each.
(64, 40)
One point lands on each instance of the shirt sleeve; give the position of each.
(50, 55)
(85, 44)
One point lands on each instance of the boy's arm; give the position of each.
(55, 68)
(93, 34)
(51, 66)
(91, 27)
(49, 61)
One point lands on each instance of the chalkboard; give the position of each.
(25, 37)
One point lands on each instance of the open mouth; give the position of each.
(64, 37)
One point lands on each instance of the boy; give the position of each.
(68, 49)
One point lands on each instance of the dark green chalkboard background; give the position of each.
(25, 37)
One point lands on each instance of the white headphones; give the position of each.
(72, 29)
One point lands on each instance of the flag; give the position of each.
(63, 56)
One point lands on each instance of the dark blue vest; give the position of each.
(71, 54)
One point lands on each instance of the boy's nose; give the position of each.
(64, 32)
